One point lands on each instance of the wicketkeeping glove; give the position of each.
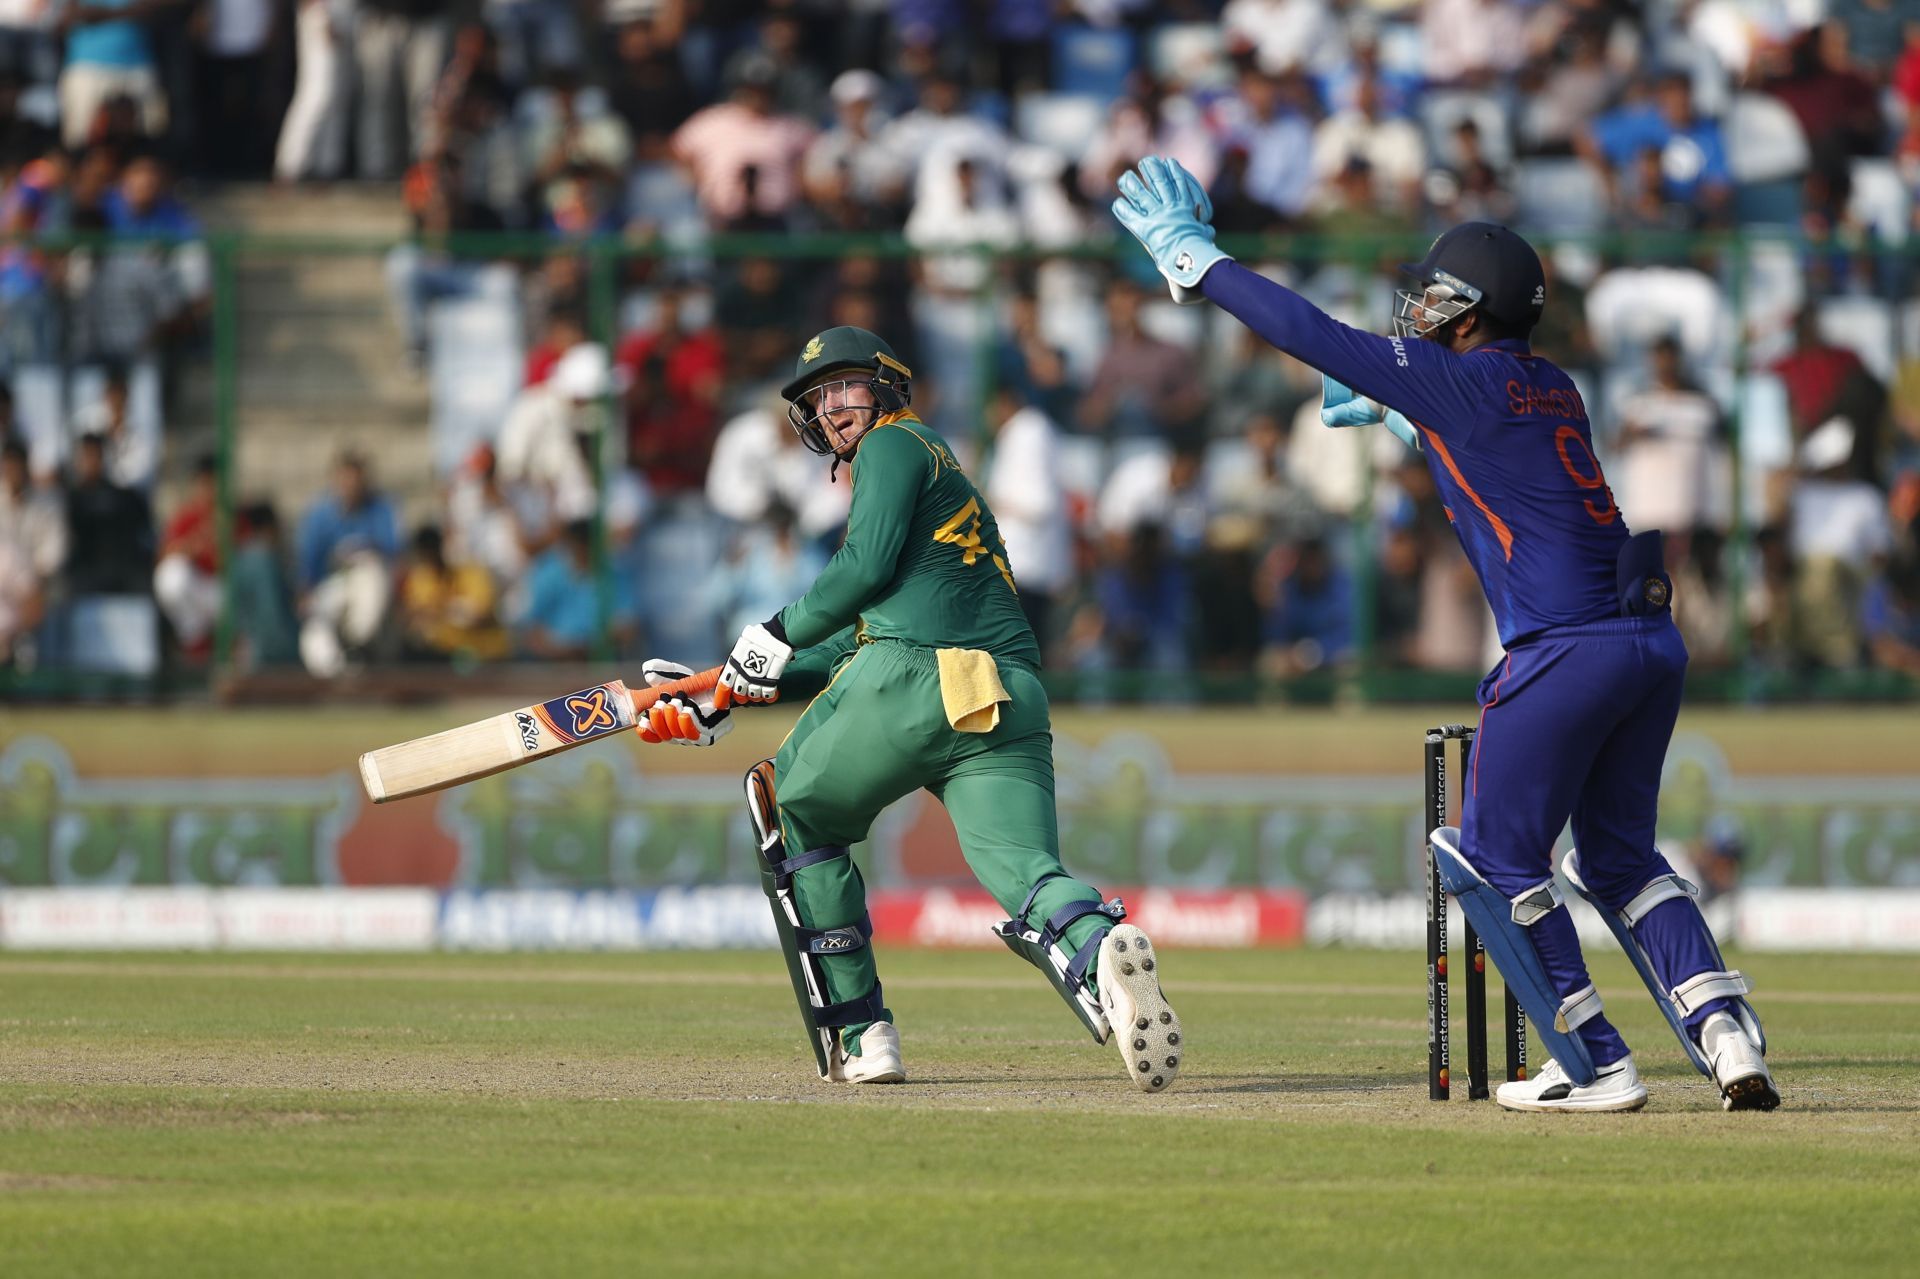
(1340, 406)
(752, 672)
(1168, 211)
(681, 720)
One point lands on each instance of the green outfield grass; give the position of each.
(651, 1115)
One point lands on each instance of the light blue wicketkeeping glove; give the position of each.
(1168, 211)
(1340, 406)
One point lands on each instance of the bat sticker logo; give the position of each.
(590, 712)
(529, 730)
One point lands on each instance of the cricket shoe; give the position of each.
(1144, 1024)
(878, 1062)
(1615, 1087)
(1739, 1069)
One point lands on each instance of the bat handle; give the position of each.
(644, 698)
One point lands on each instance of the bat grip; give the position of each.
(702, 682)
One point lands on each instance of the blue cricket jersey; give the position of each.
(1505, 436)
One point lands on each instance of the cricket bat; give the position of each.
(500, 742)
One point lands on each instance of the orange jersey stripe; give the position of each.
(1500, 529)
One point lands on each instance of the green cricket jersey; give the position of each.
(923, 561)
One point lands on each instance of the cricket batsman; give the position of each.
(1576, 719)
(924, 674)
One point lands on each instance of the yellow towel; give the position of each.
(970, 689)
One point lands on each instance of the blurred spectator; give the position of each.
(743, 158)
(1310, 623)
(750, 307)
(850, 175)
(1703, 608)
(132, 445)
(675, 375)
(313, 133)
(1396, 595)
(1024, 489)
(1165, 489)
(1464, 42)
(1837, 529)
(33, 546)
(30, 331)
(1266, 124)
(1140, 613)
(575, 156)
(1673, 468)
(1031, 367)
(1873, 31)
(649, 87)
(1391, 147)
(1470, 188)
(564, 331)
(1562, 96)
(472, 136)
(263, 614)
(1890, 617)
(1351, 204)
(22, 603)
(1284, 35)
(1163, 123)
(759, 463)
(1252, 484)
(348, 547)
(940, 125)
(540, 440)
(769, 567)
(31, 519)
(536, 37)
(1693, 158)
(230, 80)
(109, 56)
(109, 528)
(1837, 106)
(446, 609)
(1823, 381)
(400, 47)
(797, 87)
(960, 200)
(487, 526)
(1142, 385)
(143, 203)
(562, 615)
(422, 271)
(186, 580)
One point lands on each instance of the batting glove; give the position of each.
(1168, 211)
(680, 719)
(1340, 406)
(753, 669)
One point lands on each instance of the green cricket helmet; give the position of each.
(858, 356)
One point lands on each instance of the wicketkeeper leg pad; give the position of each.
(1503, 925)
(1068, 971)
(803, 946)
(1679, 1000)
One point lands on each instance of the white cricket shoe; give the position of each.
(1617, 1087)
(878, 1062)
(1739, 1069)
(1144, 1024)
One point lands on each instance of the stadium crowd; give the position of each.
(1169, 498)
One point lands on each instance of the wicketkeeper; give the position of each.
(924, 674)
(1575, 721)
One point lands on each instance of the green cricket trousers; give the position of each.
(878, 732)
